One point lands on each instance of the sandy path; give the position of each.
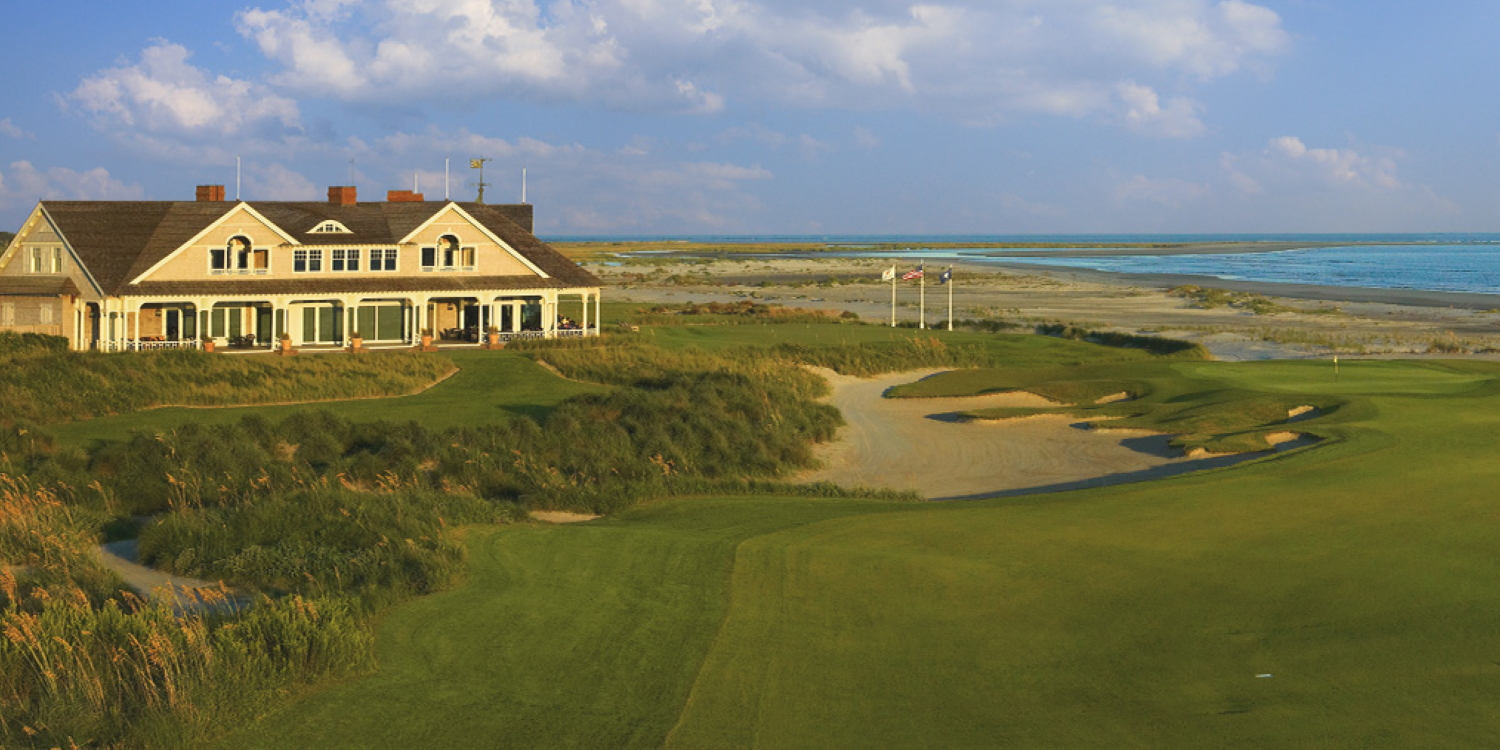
(180, 593)
(912, 444)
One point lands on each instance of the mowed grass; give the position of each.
(488, 387)
(1347, 596)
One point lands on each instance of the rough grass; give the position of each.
(489, 387)
(1337, 597)
(62, 386)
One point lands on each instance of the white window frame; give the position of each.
(383, 259)
(310, 260)
(240, 263)
(344, 259)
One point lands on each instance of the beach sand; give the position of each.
(1319, 321)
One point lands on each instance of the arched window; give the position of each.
(238, 256)
(449, 255)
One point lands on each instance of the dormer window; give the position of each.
(331, 227)
(448, 256)
(238, 256)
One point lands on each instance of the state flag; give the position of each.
(476, 163)
(946, 277)
(888, 274)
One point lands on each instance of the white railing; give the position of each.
(518, 335)
(146, 346)
(564, 333)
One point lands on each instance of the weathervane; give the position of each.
(479, 165)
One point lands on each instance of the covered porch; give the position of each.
(250, 323)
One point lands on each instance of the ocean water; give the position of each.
(1435, 262)
(1443, 268)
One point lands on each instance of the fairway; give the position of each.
(1348, 377)
(1345, 596)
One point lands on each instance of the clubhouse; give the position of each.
(133, 275)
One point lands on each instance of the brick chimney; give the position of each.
(403, 196)
(342, 195)
(210, 193)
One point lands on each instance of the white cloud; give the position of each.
(1344, 167)
(1313, 188)
(22, 184)
(277, 182)
(1145, 114)
(579, 189)
(163, 93)
(8, 128)
(975, 60)
(1201, 39)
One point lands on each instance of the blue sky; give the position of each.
(778, 116)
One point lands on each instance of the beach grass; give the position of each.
(488, 387)
(1340, 596)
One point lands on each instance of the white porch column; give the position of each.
(350, 312)
(420, 318)
(549, 315)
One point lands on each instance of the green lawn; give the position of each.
(1346, 596)
(489, 386)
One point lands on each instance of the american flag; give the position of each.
(915, 273)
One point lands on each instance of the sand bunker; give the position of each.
(561, 516)
(921, 445)
(1302, 413)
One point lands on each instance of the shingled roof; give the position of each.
(119, 240)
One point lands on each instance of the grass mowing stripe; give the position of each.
(573, 636)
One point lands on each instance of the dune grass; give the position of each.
(49, 386)
(1344, 596)
(488, 387)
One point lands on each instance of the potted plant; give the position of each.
(286, 342)
(356, 342)
(492, 336)
(426, 338)
(208, 344)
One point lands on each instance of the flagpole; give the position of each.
(950, 298)
(922, 309)
(893, 296)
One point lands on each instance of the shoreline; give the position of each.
(1284, 289)
(995, 261)
(1280, 320)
